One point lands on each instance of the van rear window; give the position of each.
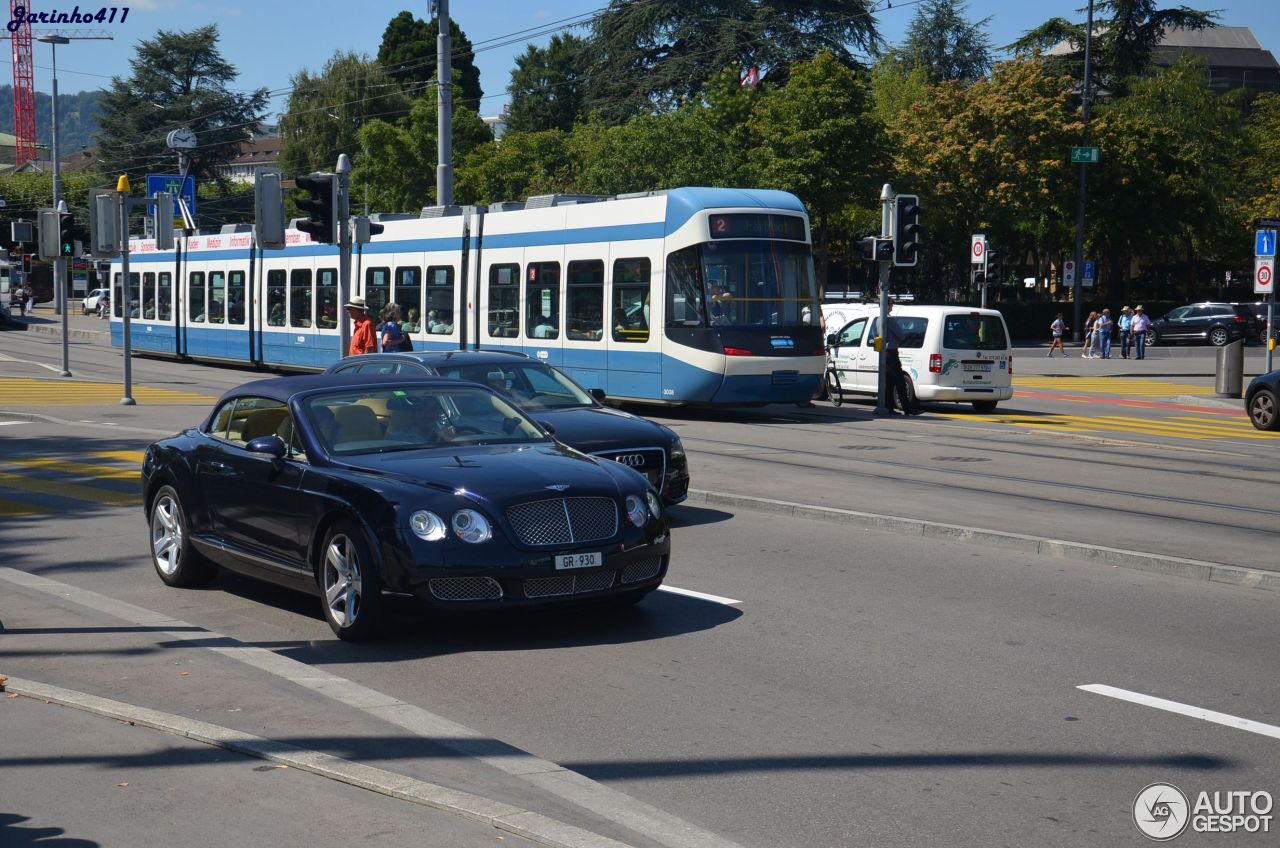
(974, 332)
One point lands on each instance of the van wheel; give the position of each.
(913, 402)
(986, 407)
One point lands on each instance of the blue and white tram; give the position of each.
(688, 296)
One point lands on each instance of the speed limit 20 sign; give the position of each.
(1264, 275)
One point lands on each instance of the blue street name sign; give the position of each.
(1265, 243)
(169, 183)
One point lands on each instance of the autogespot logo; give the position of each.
(1161, 812)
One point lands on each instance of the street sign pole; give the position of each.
(886, 231)
(1264, 252)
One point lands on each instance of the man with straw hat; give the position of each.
(363, 339)
(1141, 323)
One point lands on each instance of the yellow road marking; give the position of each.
(26, 391)
(1111, 386)
(123, 455)
(1183, 427)
(101, 472)
(69, 490)
(13, 508)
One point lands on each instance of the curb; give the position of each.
(1234, 404)
(502, 816)
(1212, 572)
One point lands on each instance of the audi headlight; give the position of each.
(427, 525)
(677, 449)
(655, 508)
(471, 526)
(635, 510)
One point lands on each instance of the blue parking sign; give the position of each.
(1265, 243)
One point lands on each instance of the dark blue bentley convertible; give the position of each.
(365, 490)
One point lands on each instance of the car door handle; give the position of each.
(218, 468)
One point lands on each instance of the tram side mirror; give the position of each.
(597, 393)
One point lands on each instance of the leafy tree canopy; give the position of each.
(653, 55)
(408, 55)
(547, 86)
(179, 79)
(944, 44)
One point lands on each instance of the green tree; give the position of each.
(1126, 33)
(895, 88)
(942, 42)
(547, 86)
(1259, 171)
(408, 54)
(326, 111)
(524, 164)
(654, 55)
(396, 168)
(179, 79)
(819, 139)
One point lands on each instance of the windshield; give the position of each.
(973, 332)
(745, 283)
(377, 420)
(532, 385)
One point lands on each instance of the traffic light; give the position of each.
(322, 206)
(907, 230)
(365, 229)
(26, 263)
(66, 238)
(48, 241)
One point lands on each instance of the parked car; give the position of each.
(575, 416)
(90, 303)
(1259, 310)
(1214, 323)
(461, 502)
(1262, 401)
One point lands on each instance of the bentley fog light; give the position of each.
(427, 525)
(635, 510)
(471, 526)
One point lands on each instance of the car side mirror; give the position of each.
(272, 445)
(547, 425)
(832, 340)
(598, 394)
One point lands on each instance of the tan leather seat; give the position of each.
(356, 423)
(263, 422)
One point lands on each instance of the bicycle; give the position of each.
(835, 392)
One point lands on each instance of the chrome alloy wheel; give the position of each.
(342, 581)
(166, 535)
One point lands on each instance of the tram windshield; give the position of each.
(742, 283)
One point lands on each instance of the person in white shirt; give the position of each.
(1141, 323)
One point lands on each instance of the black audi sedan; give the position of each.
(368, 491)
(1262, 401)
(576, 417)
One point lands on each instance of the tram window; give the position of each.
(217, 296)
(440, 300)
(504, 300)
(408, 296)
(164, 297)
(135, 294)
(195, 297)
(542, 300)
(149, 295)
(631, 300)
(235, 297)
(684, 289)
(275, 297)
(300, 298)
(377, 290)
(327, 298)
(585, 300)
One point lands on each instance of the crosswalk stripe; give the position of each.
(122, 455)
(102, 472)
(1111, 385)
(1186, 427)
(16, 508)
(26, 391)
(68, 490)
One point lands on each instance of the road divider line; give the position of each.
(702, 596)
(1213, 572)
(1183, 709)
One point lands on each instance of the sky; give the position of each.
(269, 41)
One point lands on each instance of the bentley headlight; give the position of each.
(427, 525)
(655, 508)
(471, 526)
(635, 510)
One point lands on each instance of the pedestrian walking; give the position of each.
(392, 335)
(1102, 329)
(895, 379)
(1057, 328)
(1088, 335)
(363, 339)
(29, 294)
(1141, 323)
(1125, 325)
(104, 306)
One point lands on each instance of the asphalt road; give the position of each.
(841, 687)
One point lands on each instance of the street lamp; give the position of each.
(59, 264)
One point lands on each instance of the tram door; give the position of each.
(635, 360)
(542, 299)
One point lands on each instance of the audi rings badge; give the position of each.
(631, 460)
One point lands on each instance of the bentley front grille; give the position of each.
(564, 521)
(465, 589)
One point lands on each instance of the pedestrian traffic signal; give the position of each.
(26, 263)
(66, 238)
(907, 230)
(322, 205)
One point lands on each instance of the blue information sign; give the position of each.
(1265, 243)
(169, 183)
(1088, 270)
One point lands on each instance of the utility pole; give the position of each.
(1086, 99)
(444, 112)
(343, 214)
(886, 232)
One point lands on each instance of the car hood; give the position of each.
(599, 428)
(504, 474)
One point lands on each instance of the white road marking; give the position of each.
(1183, 709)
(7, 423)
(702, 596)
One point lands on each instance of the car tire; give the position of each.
(350, 591)
(1153, 338)
(1218, 336)
(175, 559)
(1263, 411)
(986, 407)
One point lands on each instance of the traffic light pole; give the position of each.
(1085, 100)
(122, 201)
(886, 232)
(343, 214)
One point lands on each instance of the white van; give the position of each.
(950, 353)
